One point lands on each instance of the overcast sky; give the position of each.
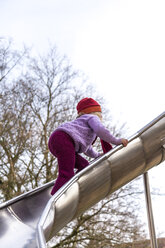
(119, 45)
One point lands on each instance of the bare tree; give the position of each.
(31, 108)
(16, 130)
(10, 59)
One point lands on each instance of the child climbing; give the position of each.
(72, 138)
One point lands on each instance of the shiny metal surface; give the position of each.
(151, 225)
(19, 218)
(39, 216)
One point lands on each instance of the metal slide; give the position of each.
(30, 220)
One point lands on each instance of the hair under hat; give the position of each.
(88, 105)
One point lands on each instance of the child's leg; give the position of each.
(81, 163)
(62, 146)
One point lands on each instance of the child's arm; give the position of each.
(124, 142)
(92, 153)
(102, 132)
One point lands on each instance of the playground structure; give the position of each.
(33, 218)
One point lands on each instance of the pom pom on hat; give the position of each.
(88, 105)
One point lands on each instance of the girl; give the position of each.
(77, 136)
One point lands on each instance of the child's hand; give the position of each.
(124, 142)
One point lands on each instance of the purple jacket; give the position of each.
(84, 130)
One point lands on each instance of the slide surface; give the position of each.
(33, 218)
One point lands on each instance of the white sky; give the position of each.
(119, 45)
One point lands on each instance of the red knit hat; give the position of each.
(88, 105)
